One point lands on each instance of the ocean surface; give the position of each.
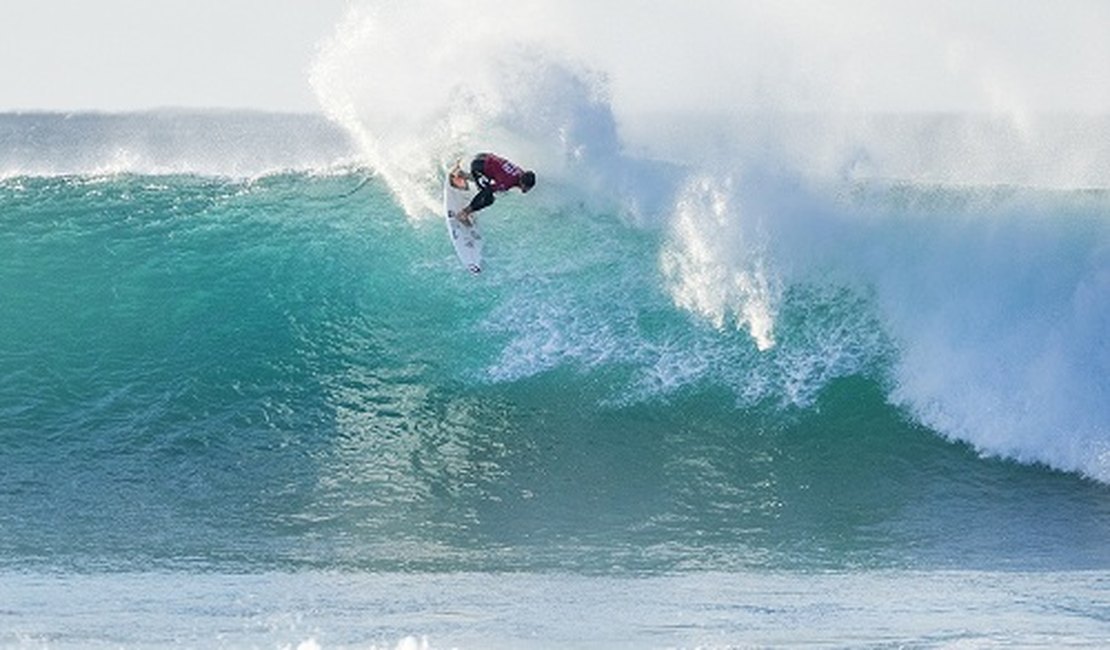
(250, 398)
(801, 340)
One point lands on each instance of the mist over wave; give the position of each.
(591, 94)
(774, 166)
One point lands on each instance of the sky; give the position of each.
(120, 55)
(884, 55)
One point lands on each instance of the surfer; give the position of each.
(491, 173)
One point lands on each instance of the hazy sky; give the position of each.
(137, 54)
(1010, 55)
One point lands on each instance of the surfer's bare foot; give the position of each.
(464, 217)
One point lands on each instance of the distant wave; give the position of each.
(238, 144)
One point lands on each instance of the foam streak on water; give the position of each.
(319, 610)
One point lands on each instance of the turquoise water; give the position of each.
(258, 374)
(265, 412)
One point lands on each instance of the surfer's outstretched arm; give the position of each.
(457, 170)
(459, 179)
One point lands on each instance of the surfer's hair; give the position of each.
(527, 180)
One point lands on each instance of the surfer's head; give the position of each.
(527, 181)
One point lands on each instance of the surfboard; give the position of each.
(466, 239)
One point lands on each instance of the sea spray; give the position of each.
(416, 111)
(715, 264)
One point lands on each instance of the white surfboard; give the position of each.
(466, 239)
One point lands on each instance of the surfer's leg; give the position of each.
(481, 200)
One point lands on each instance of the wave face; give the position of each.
(257, 373)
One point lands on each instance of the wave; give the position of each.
(298, 381)
(972, 228)
(959, 257)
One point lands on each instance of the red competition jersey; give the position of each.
(503, 174)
